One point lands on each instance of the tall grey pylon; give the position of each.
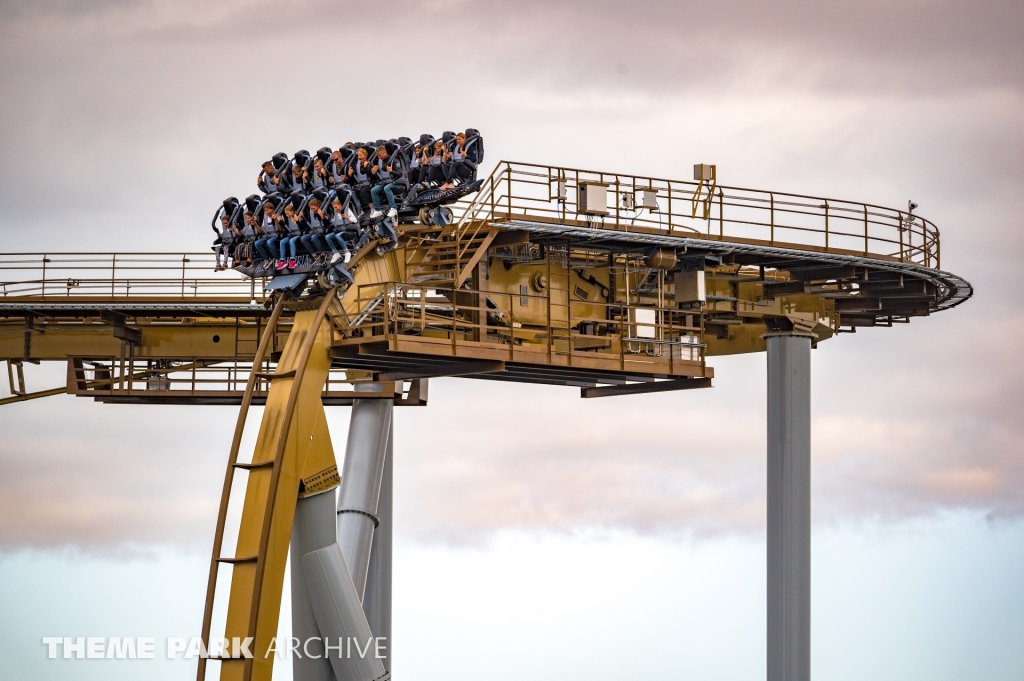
(313, 528)
(377, 595)
(789, 507)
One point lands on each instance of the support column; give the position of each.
(377, 595)
(365, 453)
(340, 617)
(789, 507)
(314, 528)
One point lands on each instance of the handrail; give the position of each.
(102, 275)
(410, 309)
(523, 191)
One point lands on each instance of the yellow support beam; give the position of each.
(294, 448)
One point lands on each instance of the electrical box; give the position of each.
(560, 187)
(703, 171)
(592, 198)
(644, 321)
(689, 287)
(628, 201)
(648, 198)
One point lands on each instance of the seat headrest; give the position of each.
(301, 157)
(279, 160)
(426, 139)
(324, 154)
(252, 202)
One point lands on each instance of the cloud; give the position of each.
(102, 480)
(122, 125)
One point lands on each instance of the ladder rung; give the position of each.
(247, 559)
(282, 374)
(250, 466)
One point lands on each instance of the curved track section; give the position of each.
(953, 289)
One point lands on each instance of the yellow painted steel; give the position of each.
(211, 339)
(307, 456)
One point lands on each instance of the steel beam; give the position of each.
(789, 507)
(649, 387)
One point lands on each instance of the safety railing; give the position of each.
(122, 275)
(199, 377)
(552, 328)
(624, 202)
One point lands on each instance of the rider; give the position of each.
(340, 220)
(314, 223)
(414, 166)
(385, 173)
(229, 236)
(437, 161)
(335, 171)
(458, 166)
(359, 176)
(267, 226)
(291, 229)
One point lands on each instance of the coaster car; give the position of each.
(314, 203)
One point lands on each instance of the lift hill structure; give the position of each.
(616, 284)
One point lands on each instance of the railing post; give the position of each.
(826, 224)
(865, 229)
(113, 273)
(669, 206)
(721, 217)
(771, 209)
(901, 234)
(618, 191)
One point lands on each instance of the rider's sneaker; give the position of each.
(348, 256)
(335, 257)
(280, 265)
(291, 264)
(393, 212)
(374, 214)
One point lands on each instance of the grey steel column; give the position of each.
(314, 528)
(340, 617)
(366, 450)
(377, 595)
(789, 507)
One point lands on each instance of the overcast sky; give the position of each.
(123, 124)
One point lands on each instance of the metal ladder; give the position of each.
(293, 454)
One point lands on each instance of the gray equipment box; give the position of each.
(703, 171)
(689, 287)
(592, 198)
